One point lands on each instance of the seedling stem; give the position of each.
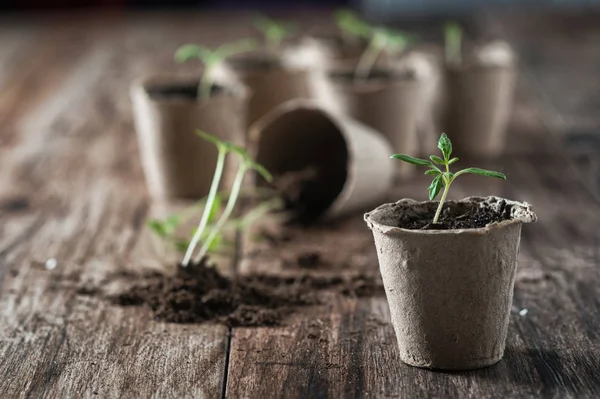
(222, 149)
(235, 192)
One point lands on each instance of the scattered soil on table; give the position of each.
(199, 293)
(474, 218)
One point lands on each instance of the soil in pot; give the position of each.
(349, 159)
(199, 293)
(180, 90)
(461, 216)
(308, 192)
(310, 169)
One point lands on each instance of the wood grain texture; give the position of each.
(71, 188)
(347, 348)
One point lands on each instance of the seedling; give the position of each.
(166, 229)
(274, 32)
(211, 58)
(350, 24)
(380, 39)
(246, 164)
(443, 177)
(453, 38)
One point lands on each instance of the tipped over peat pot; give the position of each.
(270, 81)
(480, 98)
(350, 160)
(450, 291)
(177, 163)
(386, 101)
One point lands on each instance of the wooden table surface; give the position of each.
(71, 188)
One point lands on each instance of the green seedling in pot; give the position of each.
(351, 25)
(211, 58)
(224, 148)
(442, 177)
(453, 43)
(273, 31)
(380, 39)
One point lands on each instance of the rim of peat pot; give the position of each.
(449, 291)
(391, 79)
(521, 213)
(368, 175)
(142, 86)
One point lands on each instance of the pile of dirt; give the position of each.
(199, 293)
(475, 218)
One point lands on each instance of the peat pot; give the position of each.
(449, 291)
(271, 82)
(479, 103)
(387, 102)
(176, 162)
(350, 161)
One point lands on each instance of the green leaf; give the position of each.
(483, 172)
(437, 160)
(433, 172)
(171, 223)
(445, 145)
(262, 171)
(157, 227)
(409, 159)
(190, 51)
(435, 187)
(450, 162)
(180, 244)
(350, 23)
(211, 139)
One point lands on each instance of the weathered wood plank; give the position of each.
(347, 348)
(72, 189)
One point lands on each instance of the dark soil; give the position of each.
(185, 90)
(307, 193)
(257, 63)
(474, 218)
(199, 293)
(375, 75)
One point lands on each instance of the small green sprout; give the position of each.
(380, 39)
(166, 229)
(273, 31)
(247, 164)
(211, 60)
(443, 178)
(453, 38)
(350, 24)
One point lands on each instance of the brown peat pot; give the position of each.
(479, 103)
(449, 291)
(337, 47)
(386, 101)
(271, 81)
(352, 164)
(176, 162)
